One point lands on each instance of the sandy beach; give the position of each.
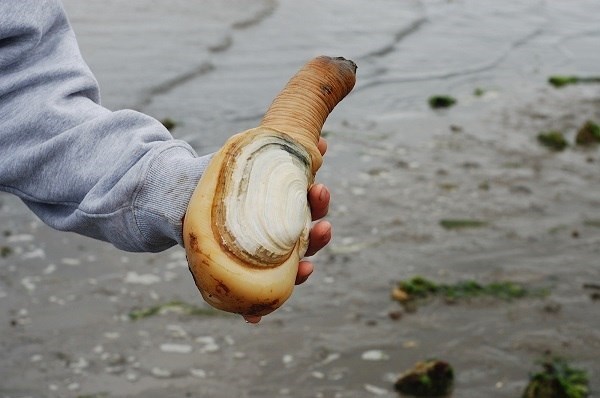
(79, 318)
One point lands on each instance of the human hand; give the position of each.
(320, 233)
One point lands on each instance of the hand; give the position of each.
(320, 233)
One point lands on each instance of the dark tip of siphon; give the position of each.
(350, 62)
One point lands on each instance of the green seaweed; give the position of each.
(554, 140)
(419, 288)
(588, 134)
(478, 92)
(592, 223)
(560, 80)
(441, 101)
(448, 186)
(5, 251)
(169, 123)
(172, 306)
(508, 290)
(557, 228)
(557, 379)
(484, 186)
(565, 80)
(458, 223)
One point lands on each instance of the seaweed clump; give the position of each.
(172, 306)
(418, 288)
(169, 123)
(460, 223)
(5, 251)
(557, 379)
(588, 134)
(554, 140)
(565, 80)
(441, 101)
(431, 378)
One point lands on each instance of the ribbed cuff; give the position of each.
(161, 203)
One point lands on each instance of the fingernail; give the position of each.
(323, 194)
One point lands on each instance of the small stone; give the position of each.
(199, 373)
(410, 344)
(318, 375)
(209, 342)
(177, 331)
(552, 308)
(430, 378)
(114, 370)
(287, 359)
(49, 269)
(400, 295)
(71, 261)
(330, 358)
(229, 340)
(395, 315)
(588, 134)
(73, 387)
(112, 335)
(557, 379)
(160, 372)
(374, 355)
(176, 348)
(80, 364)
(375, 390)
(36, 358)
(141, 279)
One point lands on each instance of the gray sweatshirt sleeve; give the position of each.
(115, 176)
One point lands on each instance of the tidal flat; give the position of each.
(398, 171)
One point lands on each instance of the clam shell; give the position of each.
(261, 209)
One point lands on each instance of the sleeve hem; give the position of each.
(160, 203)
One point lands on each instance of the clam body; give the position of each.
(244, 257)
(247, 224)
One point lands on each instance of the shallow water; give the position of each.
(395, 169)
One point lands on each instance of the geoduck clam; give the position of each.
(247, 223)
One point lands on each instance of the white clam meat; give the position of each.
(265, 212)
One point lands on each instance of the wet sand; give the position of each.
(395, 168)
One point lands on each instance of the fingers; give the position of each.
(318, 197)
(305, 268)
(319, 237)
(322, 145)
